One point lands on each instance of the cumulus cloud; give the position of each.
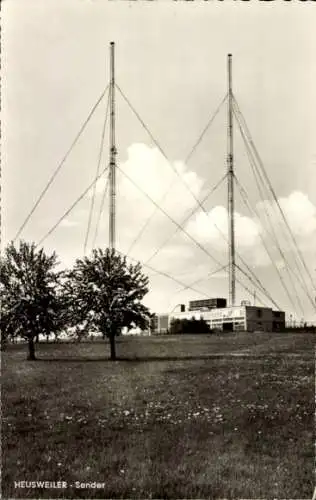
(154, 175)
(299, 211)
(213, 227)
(149, 170)
(180, 257)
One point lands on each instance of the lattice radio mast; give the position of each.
(112, 168)
(230, 178)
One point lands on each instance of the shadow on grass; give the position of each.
(145, 359)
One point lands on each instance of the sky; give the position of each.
(171, 64)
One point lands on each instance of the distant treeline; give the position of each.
(298, 329)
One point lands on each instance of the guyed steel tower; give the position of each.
(230, 173)
(113, 152)
(230, 182)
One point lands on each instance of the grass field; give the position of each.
(176, 417)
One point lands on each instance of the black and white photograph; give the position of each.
(158, 249)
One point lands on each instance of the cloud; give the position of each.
(69, 223)
(154, 175)
(146, 170)
(299, 211)
(300, 214)
(149, 170)
(212, 227)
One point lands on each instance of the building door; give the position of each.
(228, 327)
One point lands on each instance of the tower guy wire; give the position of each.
(254, 212)
(188, 157)
(101, 207)
(208, 276)
(162, 273)
(263, 170)
(75, 203)
(188, 187)
(265, 292)
(185, 220)
(260, 184)
(96, 175)
(60, 165)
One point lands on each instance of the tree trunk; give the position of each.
(112, 346)
(31, 355)
(3, 342)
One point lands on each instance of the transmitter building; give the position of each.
(242, 318)
(219, 317)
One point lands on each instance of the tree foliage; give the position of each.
(30, 287)
(106, 293)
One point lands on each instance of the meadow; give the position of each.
(203, 416)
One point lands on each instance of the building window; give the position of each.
(259, 313)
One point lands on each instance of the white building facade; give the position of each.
(238, 318)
